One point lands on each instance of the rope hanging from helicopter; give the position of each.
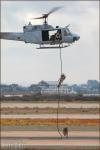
(62, 78)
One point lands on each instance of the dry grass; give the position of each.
(50, 121)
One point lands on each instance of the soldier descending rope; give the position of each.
(60, 81)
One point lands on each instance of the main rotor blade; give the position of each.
(53, 10)
(38, 18)
(50, 12)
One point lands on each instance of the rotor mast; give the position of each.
(45, 20)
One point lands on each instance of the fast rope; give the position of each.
(62, 78)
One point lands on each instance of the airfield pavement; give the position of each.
(49, 138)
(46, 137)
(49, 105)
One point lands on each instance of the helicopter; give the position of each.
(44, 35)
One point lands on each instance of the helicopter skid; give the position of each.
(52, 47)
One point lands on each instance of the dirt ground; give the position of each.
(49, 110)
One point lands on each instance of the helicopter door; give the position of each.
(45, 35)
(55, 35)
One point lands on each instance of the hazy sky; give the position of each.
(21, 63)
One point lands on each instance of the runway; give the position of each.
(50, 105)
(49, 138)
(46, 137)
(52, 116)
(52, 134)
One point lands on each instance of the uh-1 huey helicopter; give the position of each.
(43, 35)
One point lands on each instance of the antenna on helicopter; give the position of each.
(45, 16)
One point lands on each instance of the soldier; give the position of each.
(62, 78)
(58, 35)
(65, 132)
(52, 39)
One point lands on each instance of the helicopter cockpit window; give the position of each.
(66, 32)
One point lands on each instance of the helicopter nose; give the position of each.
(76, 38)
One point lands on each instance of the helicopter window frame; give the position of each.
(66, 32)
